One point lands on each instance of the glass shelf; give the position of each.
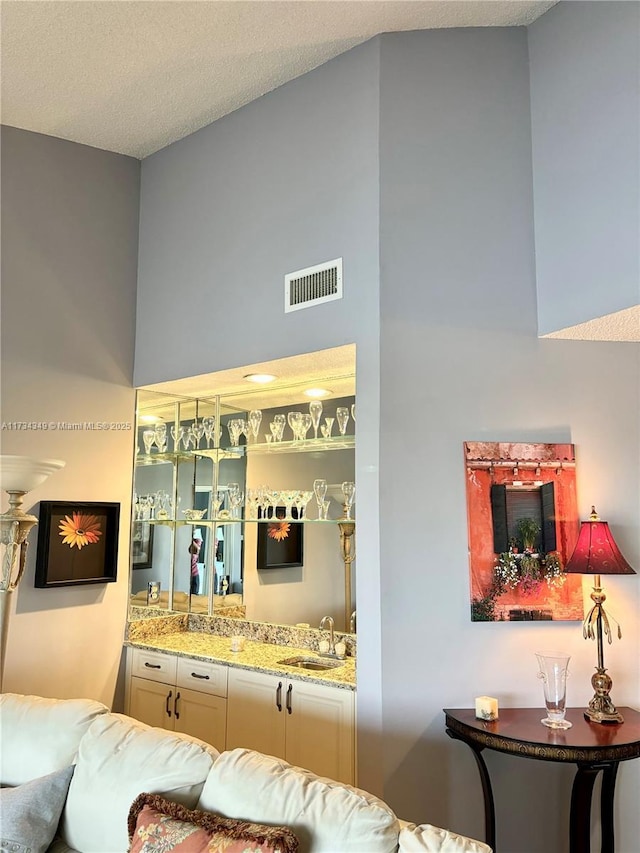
(207, 522)
(308, 445)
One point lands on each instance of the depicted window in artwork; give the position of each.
(523, 524)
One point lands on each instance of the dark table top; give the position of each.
(519, 731)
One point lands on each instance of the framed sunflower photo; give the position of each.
(77, 543)
(279, 543)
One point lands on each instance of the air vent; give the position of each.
(304, 288)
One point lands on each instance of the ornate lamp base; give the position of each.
(601, 709)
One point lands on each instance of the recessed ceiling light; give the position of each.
(150, 419)
(317, 392)
(260, 378)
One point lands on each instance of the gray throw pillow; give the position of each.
(30, 813)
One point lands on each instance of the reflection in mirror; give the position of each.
(205, 560)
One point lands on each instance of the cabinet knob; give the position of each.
(289, 692)
(167, 705)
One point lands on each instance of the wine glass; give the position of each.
(349, 493)
(216, 502)
(209, 426)
(280, 421)
(197, 431)
(148, 437)
(235, 427)
(255, 419)
(236, 499)
(320, 491)
(301, 502)
(342, 416)
(327, 426)
(304, 425)
(160, 437)
(177, 434)
(293, 419)
(315, 410)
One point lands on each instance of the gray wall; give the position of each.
(288, 181)
(460, 360)
(69, 248)
(585, 66)
(445, 328)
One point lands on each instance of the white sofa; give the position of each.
(116, 758)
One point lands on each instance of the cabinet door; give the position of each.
(254, 720)
(319, 730)
(201, 715)
(151, 702)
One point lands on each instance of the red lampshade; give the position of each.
(596, 552)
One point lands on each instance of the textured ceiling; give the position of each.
(133, 77)
(620, 326)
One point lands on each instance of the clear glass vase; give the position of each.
(554, 668)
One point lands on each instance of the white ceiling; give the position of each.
(133, 76)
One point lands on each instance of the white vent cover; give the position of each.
(313, 285)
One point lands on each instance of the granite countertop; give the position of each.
(260, 657)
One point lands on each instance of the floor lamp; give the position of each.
(18, 475)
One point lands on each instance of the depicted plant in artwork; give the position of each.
(527, 572)
(278, 530)
(528, 530)
(80, 530)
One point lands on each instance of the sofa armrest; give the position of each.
(431, 839)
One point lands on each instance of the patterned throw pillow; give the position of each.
(159, 826)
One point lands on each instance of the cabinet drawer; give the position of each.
(155, 666)
(203, 676)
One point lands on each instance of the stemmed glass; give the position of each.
(236, 499)
(236, 428)
(148, 437)
(209, 426)
(349, 493)
(177, 434)
(188, 438)
(162, 500)
(288, 497)
(304, 425)
(320, 491)
(255, 419)
(216, 503)
(301, 502)
(160, 437)
(342, 416)
(277, 427)
(315, 410)
(293, 419)
(326, 427)
(197, 431)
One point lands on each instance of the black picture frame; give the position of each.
(141, 545)
(274, 553)
(77, 543)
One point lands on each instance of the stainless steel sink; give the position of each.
(316, 664)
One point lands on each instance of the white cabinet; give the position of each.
(179, 694)
(309, 725)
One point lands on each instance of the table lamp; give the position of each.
(596, 553)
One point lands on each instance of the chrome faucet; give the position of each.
(352, 623)
(332, 644)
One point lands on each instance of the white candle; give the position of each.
(486, 708)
